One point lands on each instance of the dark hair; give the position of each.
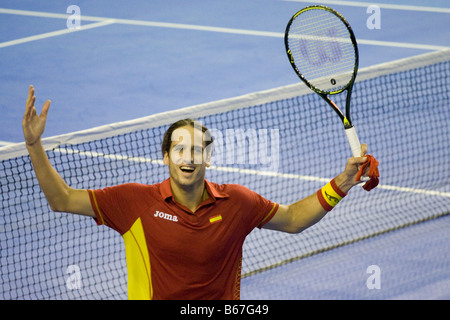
(167, 140)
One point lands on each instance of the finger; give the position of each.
(30, 110)
(363, 149)
(30, 93)
(30, 102)
(358, 160)
(31, 98)
(45, 108)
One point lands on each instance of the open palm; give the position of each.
(33, 124)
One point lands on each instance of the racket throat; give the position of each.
(347, 123)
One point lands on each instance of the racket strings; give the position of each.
(321, 46)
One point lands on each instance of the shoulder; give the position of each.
(129, 189)
(253, 209)
(133, 186)
(236, 191)
(229, 187)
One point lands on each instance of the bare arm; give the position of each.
(298, 216)
(59, 195)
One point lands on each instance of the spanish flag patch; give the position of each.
(215, 219)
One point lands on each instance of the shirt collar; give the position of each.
(213, 191)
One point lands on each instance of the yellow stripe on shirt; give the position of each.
(138, 263)
(96, 206)
(268, 215)
(215, 219)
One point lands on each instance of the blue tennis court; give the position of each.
(146, 69)
(133, 60)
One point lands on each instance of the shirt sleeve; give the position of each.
(115, 206)
(256, 210)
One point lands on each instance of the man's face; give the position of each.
(187, 159)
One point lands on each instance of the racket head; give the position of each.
(322, 49)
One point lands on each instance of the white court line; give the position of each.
(381, 5)
(48, 14)
(244, 171)
(400, 45)
(56, 33)
(212, 29)
(5, 143)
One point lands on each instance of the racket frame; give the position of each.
(346, 119)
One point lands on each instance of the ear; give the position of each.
(166, 159)
(208, 154)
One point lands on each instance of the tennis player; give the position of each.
(183, 237)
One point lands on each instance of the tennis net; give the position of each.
(401, 110)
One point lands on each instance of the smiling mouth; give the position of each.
(187, 169)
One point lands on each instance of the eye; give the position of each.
(198, 150)
(178, 148)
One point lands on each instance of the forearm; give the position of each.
(59, 195)
(305, 213)
(53, 186)
(313, 208)
(300, 215)
(344, 183)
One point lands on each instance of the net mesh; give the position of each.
(403, 115)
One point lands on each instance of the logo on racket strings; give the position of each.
(321, 49)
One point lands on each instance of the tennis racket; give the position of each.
(322, 49)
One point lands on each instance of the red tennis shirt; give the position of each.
(173, 253)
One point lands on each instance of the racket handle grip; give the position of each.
(354, 141)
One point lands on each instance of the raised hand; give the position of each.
(33, 125)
